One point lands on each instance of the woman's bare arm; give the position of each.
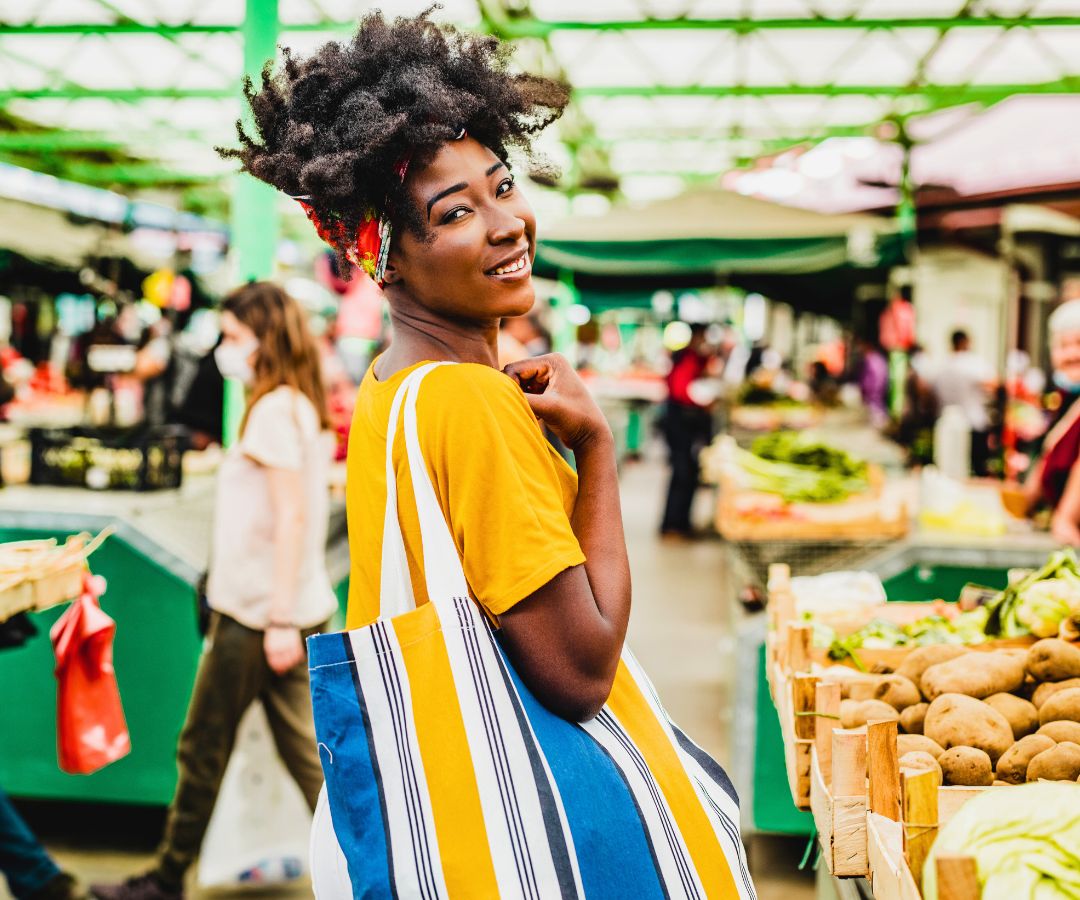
(566, 637)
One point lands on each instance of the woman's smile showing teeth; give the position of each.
(516, 268)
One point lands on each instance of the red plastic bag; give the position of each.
(91, 730)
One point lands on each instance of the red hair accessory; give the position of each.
(366, 249)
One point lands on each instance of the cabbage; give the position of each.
(1025, 841)
(1043, 605)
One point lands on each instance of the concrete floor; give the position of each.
(681, 631)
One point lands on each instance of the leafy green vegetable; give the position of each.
(964, 628)
(793, 447)
(802, 471)
(1038, 603)
(1025, 841)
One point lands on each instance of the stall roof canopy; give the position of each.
(710, 231)
(138, 92)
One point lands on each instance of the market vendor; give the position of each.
(1055, 477)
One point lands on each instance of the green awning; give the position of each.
(708, 232)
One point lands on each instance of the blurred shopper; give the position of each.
(30, 872)
(268, 588)
(1055, 478)
(687, 426)
(823, 385)
(916, 429)
(872, 375)
(965, 380)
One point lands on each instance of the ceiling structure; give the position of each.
(134, 94)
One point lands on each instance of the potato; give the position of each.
(911, 719)
(854, 713)
(896, 690)
(977, 675)
(1053, 659)
(916, 743)
(1061, 731)
(918, 661)
(1013, 765)
(919, 759)
(1062, 706)
(1021, 715)
(1060, 763)
(1047, 689)
(966, 765)
(956, 720)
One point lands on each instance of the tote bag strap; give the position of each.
(395, 584)
(444, 575)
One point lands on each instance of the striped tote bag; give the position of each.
(446, 778)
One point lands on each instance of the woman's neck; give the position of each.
(420, 336)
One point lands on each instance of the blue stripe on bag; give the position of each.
(708, 764)
(353, 782)
(610, 842)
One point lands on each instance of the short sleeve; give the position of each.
(273, 435)
(499, 483)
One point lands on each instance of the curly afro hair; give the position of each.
(334, 126)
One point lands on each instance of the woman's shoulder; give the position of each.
(468, 388)
(285, 400)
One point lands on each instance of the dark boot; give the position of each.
(141, 887)
(60, 887)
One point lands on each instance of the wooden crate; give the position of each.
(854, 775)
(838, 799)
(897, 850)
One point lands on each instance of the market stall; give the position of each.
(152, 565)
(901, 723)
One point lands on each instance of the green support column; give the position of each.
(563, 331)
(254, 204)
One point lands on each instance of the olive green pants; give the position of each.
(232, 674)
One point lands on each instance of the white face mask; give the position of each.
(232, 360)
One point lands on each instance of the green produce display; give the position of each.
(758, 395)
(802, 470)
(1025, 841)
(1046, 603)
(878, 634)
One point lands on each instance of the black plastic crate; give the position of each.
(139, 459)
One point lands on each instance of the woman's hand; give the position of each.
(284, 648)
(1065, 530)
(559, 397)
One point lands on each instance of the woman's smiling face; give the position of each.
(477, 263)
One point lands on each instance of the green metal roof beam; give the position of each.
(542, 28)
(52, 141)
(969, 92)
(986, 93)
(136, 174)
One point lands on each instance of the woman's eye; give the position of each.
(456, 213)
(505, 186)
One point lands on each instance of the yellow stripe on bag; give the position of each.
(640, 723)
(448, 766)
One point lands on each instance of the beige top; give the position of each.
(282, 432)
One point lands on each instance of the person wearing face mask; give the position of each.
(268, 588)
(1055, 478)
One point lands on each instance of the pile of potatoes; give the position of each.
(979, 717)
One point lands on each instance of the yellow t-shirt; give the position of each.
(506, 493)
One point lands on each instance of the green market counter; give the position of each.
(152, 564)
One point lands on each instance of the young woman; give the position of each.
(268, 587)
(405, 131)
